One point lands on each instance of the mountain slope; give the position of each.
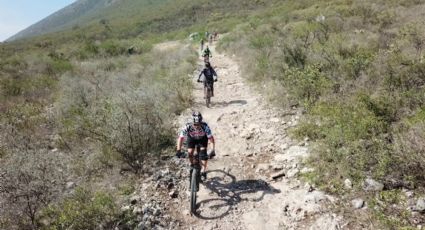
(80, 12)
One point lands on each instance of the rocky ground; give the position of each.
(252, 183)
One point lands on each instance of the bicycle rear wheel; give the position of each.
(193, 190)
(208, 97)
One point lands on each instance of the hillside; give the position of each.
(319, 116)
(81, 13)
(64, 18)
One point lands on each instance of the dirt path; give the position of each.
(252, 145)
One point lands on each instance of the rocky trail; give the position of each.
(252, 182)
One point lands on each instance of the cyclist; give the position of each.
(206, 54)
(197, 132)
(210, 77)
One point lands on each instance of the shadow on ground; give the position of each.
(227, 103)
(221, 104)
(230, 192)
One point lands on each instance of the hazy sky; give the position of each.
(16, 15)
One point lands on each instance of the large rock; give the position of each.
(357, 203)
(372, 185)
(348, 184)
(420, 205)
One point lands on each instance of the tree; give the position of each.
(29, 181)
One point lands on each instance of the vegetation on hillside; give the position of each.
(88, 104)
(357, 70)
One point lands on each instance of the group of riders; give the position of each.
(197, 132)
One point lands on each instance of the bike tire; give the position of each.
(208, 98)
(193, 190)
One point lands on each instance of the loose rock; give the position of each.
(373, 185)
(420, 205)
(348, 184)
(357, 203)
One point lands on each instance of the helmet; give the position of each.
(197, 117)
(207, 64)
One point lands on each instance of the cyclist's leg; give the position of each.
(205, 89)
(212, 89)
(203, 154)
(190, 149)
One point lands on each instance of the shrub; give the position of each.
(84, 209)
(358, 63)
(306, 85)
(129, 113)
(30, 180)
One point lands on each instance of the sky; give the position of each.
(16, 15)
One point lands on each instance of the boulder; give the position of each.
(372, 185)
(357, 203)
(348, 184)
(420, 205)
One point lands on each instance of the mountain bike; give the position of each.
(208, 92)
(195, 176)
(206, 58)
(195, 179)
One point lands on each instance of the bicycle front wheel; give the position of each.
(193, 190)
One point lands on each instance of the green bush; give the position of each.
(130, 114)
(82, 210)
(112, 48)
(358, 63)
(306, 85)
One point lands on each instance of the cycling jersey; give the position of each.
(191, 132)
(209, 74)
(207, 52)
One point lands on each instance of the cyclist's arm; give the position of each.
(210, 136)
(180, 139)
(179, 143)
(212, 141)
(199, 77)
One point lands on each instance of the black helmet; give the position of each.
(197, 117)
(207, 64)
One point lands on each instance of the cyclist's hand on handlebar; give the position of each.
(179, 153)
(199, 80)
(215, 80)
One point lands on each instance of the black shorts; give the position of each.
(191, 143)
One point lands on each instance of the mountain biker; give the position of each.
(197, 132)
(210, 77)
(207, 52)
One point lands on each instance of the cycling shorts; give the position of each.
(191, 143)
